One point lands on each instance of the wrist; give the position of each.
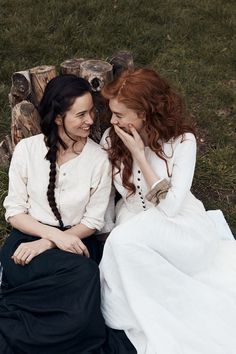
(140, 157)
(47, 243)
(49, 233)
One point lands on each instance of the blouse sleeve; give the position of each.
(16, 200)
(182, 176)
(99, 197)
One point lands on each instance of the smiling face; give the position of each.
(123, 116)
(78, 119)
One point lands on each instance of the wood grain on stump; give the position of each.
(40, 76)
(97, 72)
(71, 66)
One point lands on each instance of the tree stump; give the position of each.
(21, 87)
(25, 122)
(40, 76)
(121, 61)
(71, 66)
(97, 72)
(6, 150)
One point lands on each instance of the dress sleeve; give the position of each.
(99, 196)
(16, 201)
(105, 140)
(182, 176)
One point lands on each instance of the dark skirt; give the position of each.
(52, 305)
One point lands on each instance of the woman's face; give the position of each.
(123, 116)
(79, 118)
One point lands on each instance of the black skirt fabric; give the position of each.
(52, 305)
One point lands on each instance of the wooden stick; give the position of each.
(25, 121)
(97, 72)
(40, 76)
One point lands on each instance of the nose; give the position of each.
(113, 119)
(89, 118)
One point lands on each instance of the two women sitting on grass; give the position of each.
(168, 273)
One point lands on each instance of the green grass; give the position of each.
(190, 42)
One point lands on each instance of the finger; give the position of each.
(124, 136)
(29, 258)
(78, 249)
(18, 250)
(85, 250)
(134, 132)
(25, 256)
(17, 258)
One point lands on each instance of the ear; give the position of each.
(58, 120)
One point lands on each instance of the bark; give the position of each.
(6, 150)
(25, 121)
(121, 61)
(40, 76)
(21, 87)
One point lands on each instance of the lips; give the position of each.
(86, 128)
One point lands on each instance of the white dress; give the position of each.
(168, 272)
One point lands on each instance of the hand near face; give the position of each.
(132, 141)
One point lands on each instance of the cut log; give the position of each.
(6, 151)
(121, 61)
(25, 121)
(40, 76)
(21, 87)
(97, 72)
(71, 66)
(102, 119)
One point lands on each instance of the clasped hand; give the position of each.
(65, 241)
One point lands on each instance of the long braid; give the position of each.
(51, 155)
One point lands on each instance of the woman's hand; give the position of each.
(133, 142)
(26, 251)
(67, 241)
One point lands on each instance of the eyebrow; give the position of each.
(118, 113)
(82, 112)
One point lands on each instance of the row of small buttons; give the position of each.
(140, 191)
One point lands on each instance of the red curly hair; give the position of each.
(144, 91)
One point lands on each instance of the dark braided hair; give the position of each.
(59, 95)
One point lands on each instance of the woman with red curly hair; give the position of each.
(164, 265)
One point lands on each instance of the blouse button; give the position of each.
(144, 207)
(141, 197)
(139, 171)
(139, 193)
(138, 186)
(143, 202)
(138, 179)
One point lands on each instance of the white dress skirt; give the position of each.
(168, 272)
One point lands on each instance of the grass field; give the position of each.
(193, 43)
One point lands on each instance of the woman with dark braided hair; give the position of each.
(168, 272)
(59, 186)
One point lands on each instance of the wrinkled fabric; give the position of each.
(52, 305)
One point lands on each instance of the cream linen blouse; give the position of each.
(82, 190)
